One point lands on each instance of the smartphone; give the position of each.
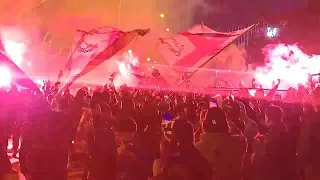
(167, 117)
(213, 103)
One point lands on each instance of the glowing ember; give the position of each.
(5, 76)
(287, 63)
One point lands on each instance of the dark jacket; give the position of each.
(131, 160)
(274, 159)
(224, 152)
(104, 153)
(309, 147)
(186, 163)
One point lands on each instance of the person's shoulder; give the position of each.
(239, 140)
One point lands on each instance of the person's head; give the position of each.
(273, 116)
(105, 110)
(62, 103)
(125, 129)
(95, 100)
(215, 121)
(50, 98)
(233, 111)
(182, 133)
(316, 97)
(259, 94)
(80, 96)
(125, 125)
(277, 97)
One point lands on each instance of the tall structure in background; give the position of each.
(245, 39)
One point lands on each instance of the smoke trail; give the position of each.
(287, 63)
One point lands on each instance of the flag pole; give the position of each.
(213, 56)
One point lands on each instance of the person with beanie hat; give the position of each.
(223, 151)
(182, 160)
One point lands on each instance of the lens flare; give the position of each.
(287, 63)
(5, 76)
(15, 50)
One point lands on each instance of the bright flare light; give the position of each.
(15, 51)
(287, 63)
(127, 65)
(162, 15)
(5, 76)
(272, 32)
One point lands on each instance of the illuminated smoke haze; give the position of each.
(287, 63)
(57, 20)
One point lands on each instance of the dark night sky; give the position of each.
(240, 12)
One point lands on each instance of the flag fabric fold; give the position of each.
(154, 80)
(92, 48)
(192, 48)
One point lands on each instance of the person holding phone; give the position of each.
(213, 103)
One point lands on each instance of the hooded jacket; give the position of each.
(224, 152)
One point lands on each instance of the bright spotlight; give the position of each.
(15, 51)
(162, 15)
(5, 76)
(130, 51)
(272, 32)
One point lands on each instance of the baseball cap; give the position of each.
(215, 121)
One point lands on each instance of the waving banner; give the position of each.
(92, 48)
(190, 49)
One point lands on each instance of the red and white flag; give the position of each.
(192, 48)
(92, 48)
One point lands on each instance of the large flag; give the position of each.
(151, 81)
(18, 75)
(92, 48)
(192, 48)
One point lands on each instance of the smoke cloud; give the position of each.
(49, 25)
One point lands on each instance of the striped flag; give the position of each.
(192, 48)
(92, 48)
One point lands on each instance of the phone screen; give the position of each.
(213, 103)
(167, 117)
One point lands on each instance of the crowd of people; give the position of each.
(137, 134)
